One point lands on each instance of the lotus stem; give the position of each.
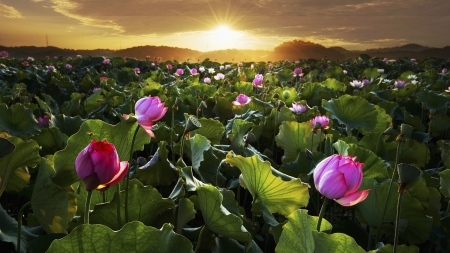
(397, 219)
(199, 240)
(128, 173)
(389, 191)
(322, 213)
(117, 195)
(19, 226)
(87, 207)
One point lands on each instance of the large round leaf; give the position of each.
(53, 206)
(354, 112)
(217, 218)
(373, 165)
(18, 120)
(445, 183)
(133, 237)
(297, 232)
(279, 196)
(335, 243)
(25, 154)
(145, 204)
(295, 138)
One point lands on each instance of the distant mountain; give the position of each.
(298, 49)
(292, 50)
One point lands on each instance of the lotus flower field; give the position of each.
(122, 155)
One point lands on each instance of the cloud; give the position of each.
(9, 12)
(356, 23)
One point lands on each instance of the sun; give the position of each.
(223, 37)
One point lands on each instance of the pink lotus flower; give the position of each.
(444, 70)
(400, 84)
(47, 57)
(103, 78)
(43, 121)
(207, 80)
(365, 82)
(194, 71)
(68, 66)
(323, 121)
(298, 108)
(96, 89)
(148, 110)
(241, 100)
(69, 58)
(3, 54)
(298, 71)
(219, 76)
(221, 67)
(50, 68)
(106, 61)
(25, 63)
(98, 165)
(339, 177)
(257, 82)
(169, 66)
(179, 72)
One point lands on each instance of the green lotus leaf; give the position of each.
(295, 138)
(53, 206)
(335, 243)
(354, 112)
(334, 84)
(94, 101)
(383, 121)
(18, 120)
(404, 75)
(341, 147)
(96, 197)
(151, 89)
(414, 152)
(239, 129)
(245, 88)
(50, 140)
(249, 74)
(24, 154)
(279, 196)
(194, 149)
(297, 233)
(373, 165)
(414, 121)
(120, 135)
(18, 180)
(66, 124)
(388, 248)
(371, 74)
(285, 75)
(6, 147)
(439, 126)
(224, 107)
(73, 107)
(314, 93)
(191, 181)
(185, 212)
(445, 182)
(287, 94)
(433, 100)
(434, 205)
(212, 129)
(417, 223)
(217, 218)
(158, 171)
(99, 238)
(8, 231)
(335, 72)
(145, 204)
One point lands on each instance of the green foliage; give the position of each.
(99, 238)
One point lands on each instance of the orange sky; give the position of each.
(212, 24)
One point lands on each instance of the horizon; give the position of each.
(211, 25)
